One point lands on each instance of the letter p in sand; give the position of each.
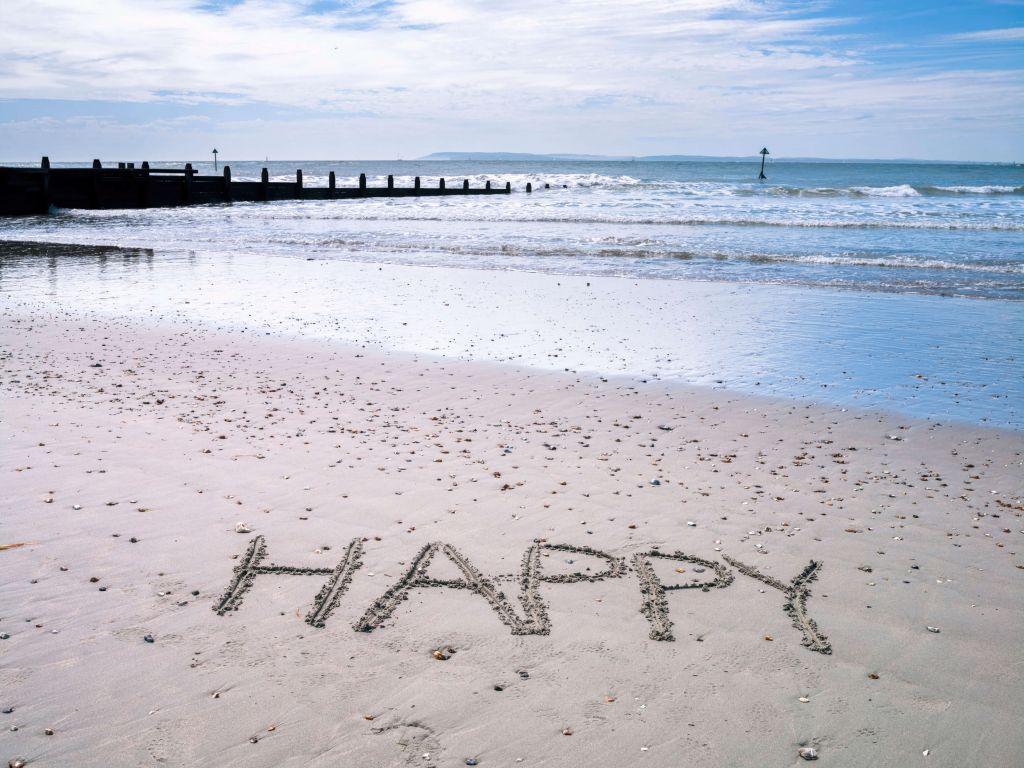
(655, 605)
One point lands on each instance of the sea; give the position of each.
(877, 285)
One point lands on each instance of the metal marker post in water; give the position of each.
(764, 154)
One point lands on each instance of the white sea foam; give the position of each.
(988, 189)
(901, 190)
(495, 214)
(890, 262)
(636, 249)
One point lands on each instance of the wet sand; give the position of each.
(510, 566)
(847, 348)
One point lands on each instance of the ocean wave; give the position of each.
(500, 210)
(894, 191)
(860, 260)
(988, 189)
(529, 216)
(900, 190)
(889, 262)
(575, 252)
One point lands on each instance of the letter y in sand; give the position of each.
(796, 593)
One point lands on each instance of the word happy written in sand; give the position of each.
(534, 619)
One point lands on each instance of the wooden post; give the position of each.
(188, 183)
(332, 182)
(265, 182)
(441, 184)
(95, 196)
(465, 183)
(298, 183)
(362, 181)
(44, 186)
(227, 183)
(508, 187)
(391, 181)
(120, 166)
(131, 166)
(529, 186)
(488, 184)
(142, 188)
(416, 183)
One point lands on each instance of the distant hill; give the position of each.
(528, 157)
(558, 156)
(511, 156)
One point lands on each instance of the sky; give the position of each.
(382, 79)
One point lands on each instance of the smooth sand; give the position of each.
(130, 453)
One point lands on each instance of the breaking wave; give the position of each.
(571, 252)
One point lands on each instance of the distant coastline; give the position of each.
(567, 157)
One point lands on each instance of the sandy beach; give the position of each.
(443, 383)
(491, 552)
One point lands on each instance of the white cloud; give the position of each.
(991, 35)
(526, 74)
(271, 52)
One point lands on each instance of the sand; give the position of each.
(449, 561)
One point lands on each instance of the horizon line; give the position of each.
(551, 157)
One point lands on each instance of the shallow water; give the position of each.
(930, 356)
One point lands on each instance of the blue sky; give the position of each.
(304, 79)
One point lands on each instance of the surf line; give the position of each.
(534, 619)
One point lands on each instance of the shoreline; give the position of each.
(314, 444)
(71, 247)
(805, 344)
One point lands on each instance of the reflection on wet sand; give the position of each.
(937, 357)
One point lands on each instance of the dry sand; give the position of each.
(131, 452)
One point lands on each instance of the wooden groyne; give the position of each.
(30, 191)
